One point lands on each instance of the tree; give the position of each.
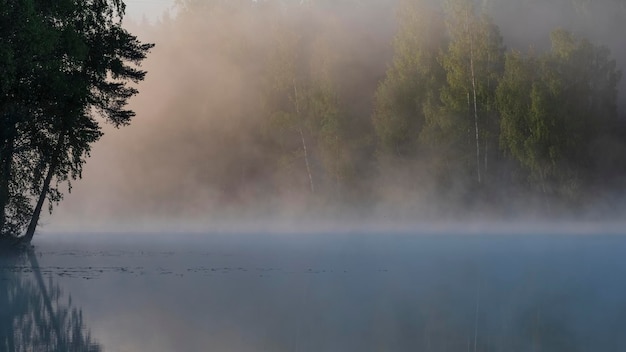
(413, 78)
(555, 108)
(328, 123)
(466, 121)
(285, 99)
(27, 46)
(302, 103)
(76, 71)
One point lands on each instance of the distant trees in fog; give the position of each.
(557, 112)
(344, 102)
(474, 107)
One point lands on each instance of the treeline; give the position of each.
(421, 107)
(476, 113)
(414, 107)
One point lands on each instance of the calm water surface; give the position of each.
(358, 292)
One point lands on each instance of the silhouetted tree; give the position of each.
(76, 69)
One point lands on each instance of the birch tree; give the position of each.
(302, 104)
(284, 101)
(473, 61)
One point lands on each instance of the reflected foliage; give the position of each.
(35, 314)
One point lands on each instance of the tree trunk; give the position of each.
(6, 157)
(7, 149)
(30, 231)
(476, 317)
(471, 40)
(544, 191)
(306, 160)
(486, 170)
(306, 154)
(54, 319)
(337, 166)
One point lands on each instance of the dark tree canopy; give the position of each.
(66, 64)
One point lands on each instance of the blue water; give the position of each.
(324, 292)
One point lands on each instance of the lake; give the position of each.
(398, 291)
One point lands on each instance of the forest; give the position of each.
(413, 109)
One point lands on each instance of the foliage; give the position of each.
(36, 314)
(302, 106)
(555, 107)
(69, 65)
(412, 80)
(467, 101)
(465, 123)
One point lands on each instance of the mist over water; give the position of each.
(358, 292)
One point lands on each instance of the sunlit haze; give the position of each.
(213, 145)
(150, 9)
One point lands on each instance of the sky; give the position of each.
(136, 9)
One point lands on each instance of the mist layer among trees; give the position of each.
(410, 108)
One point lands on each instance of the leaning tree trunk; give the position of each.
(54, 163)
(30, 231)
(54, 318)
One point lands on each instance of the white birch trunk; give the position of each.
(471, 39)
(306, 154)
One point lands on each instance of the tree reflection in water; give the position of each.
(35, 315)
(430, 294)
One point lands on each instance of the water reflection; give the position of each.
(35, 314)
(338, 293)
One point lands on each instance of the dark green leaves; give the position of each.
(67, 64)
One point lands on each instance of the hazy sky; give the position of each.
(150, 8)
